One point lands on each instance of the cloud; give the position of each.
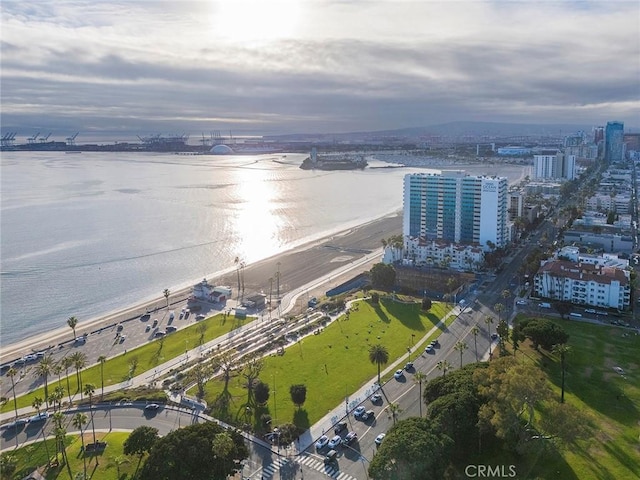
(142, 66)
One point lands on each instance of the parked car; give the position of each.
(322, 442)
(399, 374)
(331, 456)
(155, 322)
(349, 438)
(159, 333)
(359, 411)
(39, 417)
(120, 327)
(429, 349)
(367, 415)
(339, 427)
(171, 329)
(147, 328)
(408, 366)
(521, 302)
(122, 338)
(380, 438)
(376, 398)
(152, 407)
(334, 442)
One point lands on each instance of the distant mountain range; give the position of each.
(459, 129)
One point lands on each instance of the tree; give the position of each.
(226, 362)
(89, 390)
(11, 373)
(118, 462)
(261, 393)
(185, 454)
(8, 464)
(251, 370)
(375, 298)
(543, 333)
(43, 369)
(379, 355)
(200, 374)
(562, 349)
(475, 330)
(563, 308)
(443, 366)
(383, 276)
(72, 322)
(412, 449)
(101, 360)
(394, 410)
(166, 294)
(67, 363)
(80, 420)
(37, 404)
(140, 441)
(79, 362)
(502, 329)
(418, 378)
(489, 320)
(426, 304)
(461, 346)
(499, 308)
(298, 394)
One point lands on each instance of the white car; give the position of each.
(335, 441)
(399, 374)
(359, 411)
(38, 417)
(376, 397)
(322, 442)
(380, 438)
(521, 302)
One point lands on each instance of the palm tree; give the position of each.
(56, 396)
(37, 403)
(11, 373)
(89, 390)
(489, 320)
(67, 363)
(102, 359)
(79, 362)
(461, 347)
(395, 410)
(43, 369)
(444, 366)
(562, 349)
(418, 378)
(379, 355)
(57, 370)
(80, 420)
(118, 462)
(499, 308)
(166, 294)
(60, 433)
(72, 322)
(475, 330)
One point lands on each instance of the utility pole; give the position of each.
(278, 282)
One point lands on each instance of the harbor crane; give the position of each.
(7, 139)
(33, 139)
(72, 140)
(44, 139)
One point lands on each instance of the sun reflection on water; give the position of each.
(257, 222)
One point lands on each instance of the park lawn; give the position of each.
(146, 357)
(610, 400)
(34, 455)
(331, 364)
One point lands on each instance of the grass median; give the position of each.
(332, 363)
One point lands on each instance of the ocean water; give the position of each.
(91, 233)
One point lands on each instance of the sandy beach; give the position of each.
(297, 267)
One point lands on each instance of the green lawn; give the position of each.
(331, 364)
(33, 456)
(610, 400)
(147, 356)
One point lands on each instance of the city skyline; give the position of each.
(261, 68)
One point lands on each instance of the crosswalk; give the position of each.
(309, 461)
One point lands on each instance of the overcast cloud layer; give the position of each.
(264, 67)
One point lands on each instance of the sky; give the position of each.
(262, 67)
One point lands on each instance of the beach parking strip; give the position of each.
(307, 460)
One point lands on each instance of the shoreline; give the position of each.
(255, 275)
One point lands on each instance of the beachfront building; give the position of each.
(553, 164)
(437, 253)
(206, 292)
(454, 207)
(583, 284)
